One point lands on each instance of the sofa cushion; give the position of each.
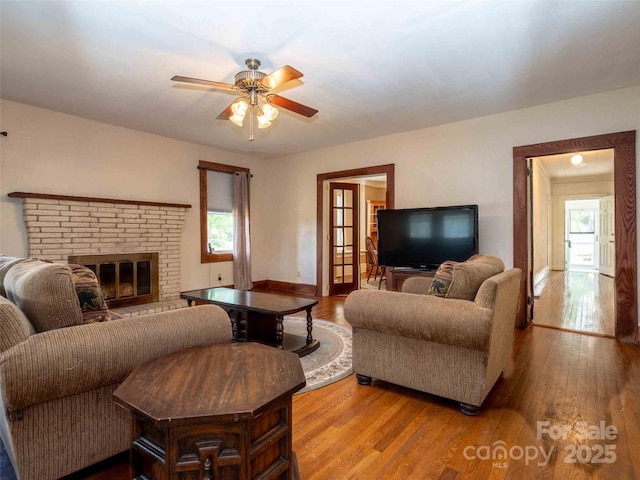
(14, 326)
(45, 293)
(92, 303)
(5, 264)
(462, 280)
(442, 279)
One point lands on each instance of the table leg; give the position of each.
(309, 326)
(233, 318)
(279, 331)
(243, 329)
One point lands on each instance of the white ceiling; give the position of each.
(594, 162)
(370, 68)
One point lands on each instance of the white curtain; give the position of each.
(241, 235)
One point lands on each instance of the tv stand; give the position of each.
(396, 276)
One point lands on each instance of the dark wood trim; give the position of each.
(71, 198)
(388, 169)
(221, 167)
(203, 166)
(596, 142)
(626, 281)
(520, 224)
(259, 284)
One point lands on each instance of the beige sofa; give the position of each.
(60, 363)
(451, 347)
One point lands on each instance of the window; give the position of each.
(220, 232)
(582, 221)
(219, 208)
(216, 205)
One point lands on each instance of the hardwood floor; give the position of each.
(579, 301)
(346, 431)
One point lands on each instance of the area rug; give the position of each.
(332, 360)
(373, 284)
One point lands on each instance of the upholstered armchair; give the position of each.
(424, 339)
(60, 363)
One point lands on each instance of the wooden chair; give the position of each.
(372, 262)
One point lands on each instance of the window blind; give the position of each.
(219, 191)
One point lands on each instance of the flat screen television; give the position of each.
(425, 237)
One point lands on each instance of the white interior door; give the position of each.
(606, 237)
(567, 239)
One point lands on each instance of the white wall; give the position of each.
(51, 152)
(541, 220)
(459, 163)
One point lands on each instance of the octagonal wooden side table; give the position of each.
(217, 412)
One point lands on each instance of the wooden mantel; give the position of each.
(48, 196)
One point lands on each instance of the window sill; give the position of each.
(216, 257)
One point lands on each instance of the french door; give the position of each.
(343, 238)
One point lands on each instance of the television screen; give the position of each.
(426, 237)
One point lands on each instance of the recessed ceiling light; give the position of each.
(576, 159)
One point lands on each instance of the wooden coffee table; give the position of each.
(216, 412)
(258, 316)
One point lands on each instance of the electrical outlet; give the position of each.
(219, 277)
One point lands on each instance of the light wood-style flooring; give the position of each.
(346, 431)
(579, 301)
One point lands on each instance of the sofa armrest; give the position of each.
(71, 360)
(425, 317)
(418, 285)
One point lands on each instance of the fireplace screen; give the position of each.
(125, 279)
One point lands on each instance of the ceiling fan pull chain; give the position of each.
(251, 124)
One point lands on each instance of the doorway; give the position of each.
(625, 281)
(570, 291)
(322, 215)
(575, 295)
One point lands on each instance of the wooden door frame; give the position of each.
(388, 170)
(626, 279)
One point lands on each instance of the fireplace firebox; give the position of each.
(125, 278)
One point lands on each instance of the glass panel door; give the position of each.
(343, 236)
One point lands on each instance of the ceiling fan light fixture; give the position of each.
(263, 121)
(237, 119)
(239, 110)
(269, 111)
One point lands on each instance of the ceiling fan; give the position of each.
(255, 86)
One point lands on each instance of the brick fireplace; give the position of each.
(59, 227)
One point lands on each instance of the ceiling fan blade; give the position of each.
(209, 83)
(280, 76)
(293, 106)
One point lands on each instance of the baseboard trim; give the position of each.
(289, 287)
